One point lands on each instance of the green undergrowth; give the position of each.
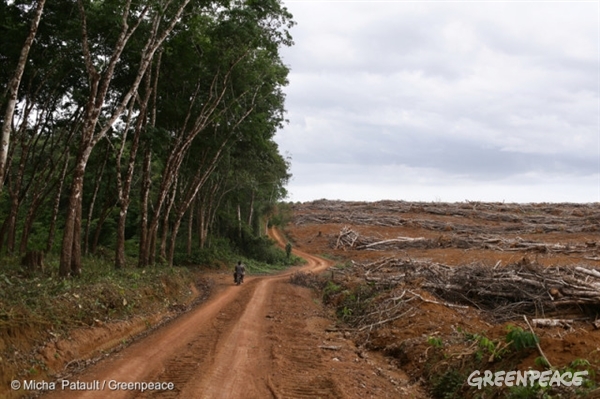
(101, 293)
(259, 254)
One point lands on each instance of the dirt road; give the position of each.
(263, 339)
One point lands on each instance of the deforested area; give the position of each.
(445, 290)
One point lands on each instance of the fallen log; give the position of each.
(392, 240)
(589, 272)
(552, 322)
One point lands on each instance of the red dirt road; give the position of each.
(263, 339)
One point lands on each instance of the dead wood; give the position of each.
(505, 292)
(507, 218)
(348, 239)
(330, 347)
(552, 322)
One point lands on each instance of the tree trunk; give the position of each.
(94, 196)
(15, 193)
(98, 90)
(239, 217)
(50, 242)
(31, 212)
(14, 89)
(120, 244)
(190, 229)
(76, 251)
(202, 226)
(173, 241)
(145, 193)
(166, 184)
(251, 211)
(70, 257)
(106, 211)
(124, 187)
(165, 227)
(3, 232)
(152, 246)
(12, 222)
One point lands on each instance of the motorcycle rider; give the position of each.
(240, 271)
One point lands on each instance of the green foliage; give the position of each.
(589, 383)
(282, 215)
(213, 256)
(540, 361)
(436, 342)
(350, 302)
(490, 349)
(448, 385)
(330, 290)
(525, 392)
(486, 343)
(288, 249)
(553, 391)
(521, 339)
(263, 249)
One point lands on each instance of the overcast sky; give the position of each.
(444, 101)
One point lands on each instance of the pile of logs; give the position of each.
(351, 239)
(506, 292)
(478, 217)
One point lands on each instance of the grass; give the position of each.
(101, 293)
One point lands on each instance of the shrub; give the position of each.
(521, 339)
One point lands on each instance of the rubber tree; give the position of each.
(41, 129)
(242, 48)
(100, 65)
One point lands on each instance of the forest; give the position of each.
(139, 128)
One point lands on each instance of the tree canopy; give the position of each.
(141, 126)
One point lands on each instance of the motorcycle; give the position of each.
(238, 279)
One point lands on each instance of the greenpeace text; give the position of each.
(524, 378)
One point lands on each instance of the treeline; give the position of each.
(140, 125)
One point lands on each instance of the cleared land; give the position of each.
(439, 287)
(424, 294)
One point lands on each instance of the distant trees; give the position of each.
(167, 109)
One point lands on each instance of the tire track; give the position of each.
(300, 369)
(235, 371)
(198, 356)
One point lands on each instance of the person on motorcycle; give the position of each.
(240, 271)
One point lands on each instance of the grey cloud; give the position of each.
(464, 92)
